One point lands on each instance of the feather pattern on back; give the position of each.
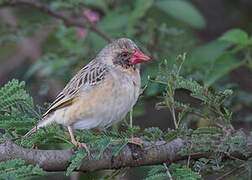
(92, 74)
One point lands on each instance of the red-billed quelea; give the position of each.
(101, 93)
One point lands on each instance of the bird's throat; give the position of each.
(124, 64)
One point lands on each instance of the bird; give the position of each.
(101, 93)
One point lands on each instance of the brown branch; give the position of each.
(130, 156)
(68, 21)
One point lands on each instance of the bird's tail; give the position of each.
(33, 130)
(44, 122)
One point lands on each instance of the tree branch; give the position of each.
(130, 156)
(68, 21)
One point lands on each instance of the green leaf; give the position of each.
(103, 145)
(13, 93)
(155, 133)
(69, 40)
(184, 11)
(156, 169)
(205, 55)
(34, 68)
(159, 176)
(114, 21)
(17, 109)
(15, 124)
(119, 146)
(235, 36)
(76, 160)
(16, 169)
(182, 172)
(141, 7)
(222, 65)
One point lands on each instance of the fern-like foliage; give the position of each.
(17, 112)
(175, 170)
(16, 169)
(17, 116)
(183, 172)
(153, 134)
(77, 160)
(99, 145)
(13, 93)
(211, 100)
(50, 135)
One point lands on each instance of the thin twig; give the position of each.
(183, 57)
(167, 171)
(171, 105)
(68, 21)
(188, 161)
(174, 116)
(131, 120)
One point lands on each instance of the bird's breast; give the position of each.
(124, 97)
(106, 103)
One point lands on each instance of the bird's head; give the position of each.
(123, 53)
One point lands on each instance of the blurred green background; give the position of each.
(215, 34)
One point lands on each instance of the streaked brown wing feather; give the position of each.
(92, 74)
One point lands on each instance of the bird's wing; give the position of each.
(91, 75)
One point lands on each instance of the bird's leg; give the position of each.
(76, 143)
(135, 140)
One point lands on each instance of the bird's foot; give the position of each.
(76, 143)
(135, 140)
(79, 144)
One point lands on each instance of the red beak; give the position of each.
(139, 57)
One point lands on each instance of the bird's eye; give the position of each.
(125, 54)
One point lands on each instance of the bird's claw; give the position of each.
(84, 146)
